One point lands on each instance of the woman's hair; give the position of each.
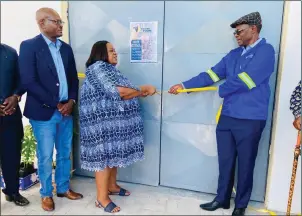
(98, 53)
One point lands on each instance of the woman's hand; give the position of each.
(129, 93)
(148, 90)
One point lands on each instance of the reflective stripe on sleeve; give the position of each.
(247, 80)
(213, 76)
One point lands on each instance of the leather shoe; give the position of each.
(48, 204)
(18, 199)
(212, 206)
(238, 212)
(70, 195)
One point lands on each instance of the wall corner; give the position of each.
(64, 15)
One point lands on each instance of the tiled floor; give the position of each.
(144, 200)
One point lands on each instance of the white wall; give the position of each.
(18, 23)
(284, 135)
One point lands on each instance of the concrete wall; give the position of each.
(18, 23)
(284, 135)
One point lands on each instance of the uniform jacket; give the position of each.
(246, 90)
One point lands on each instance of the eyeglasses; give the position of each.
(238, 32)
(57, 22)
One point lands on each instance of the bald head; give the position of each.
(49, 22)
(44, 13)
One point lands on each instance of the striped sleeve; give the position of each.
(257, 71)
(209, 77)
(213, 75)
(247, 80)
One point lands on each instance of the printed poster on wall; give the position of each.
(143, 42)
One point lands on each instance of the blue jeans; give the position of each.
(58, 130)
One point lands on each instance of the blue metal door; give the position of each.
(91, 21)
(197, 35)
(180, 137)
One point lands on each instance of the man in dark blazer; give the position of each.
(48, 74)
(11, 127)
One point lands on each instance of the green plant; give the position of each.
(28, 147)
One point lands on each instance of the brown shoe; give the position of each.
(48, 204)
(71, 195)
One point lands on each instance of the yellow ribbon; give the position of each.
(218, 114)
(81, 75)
(211, 88)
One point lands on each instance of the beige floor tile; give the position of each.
(144, 200)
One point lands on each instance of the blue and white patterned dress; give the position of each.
(111, 129)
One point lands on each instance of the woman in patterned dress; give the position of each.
(111, 125)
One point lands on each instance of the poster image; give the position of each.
(143, 42)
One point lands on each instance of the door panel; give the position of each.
(110, 20)
(204, 26)
(189, 156)
(193, 42)
(181, 108)
(196, 36)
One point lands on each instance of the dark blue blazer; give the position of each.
(10, 81)
(40, 79)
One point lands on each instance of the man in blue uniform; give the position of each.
(246, 92)
(11, 127)
(295, 106)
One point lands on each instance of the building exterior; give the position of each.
(192, 36)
